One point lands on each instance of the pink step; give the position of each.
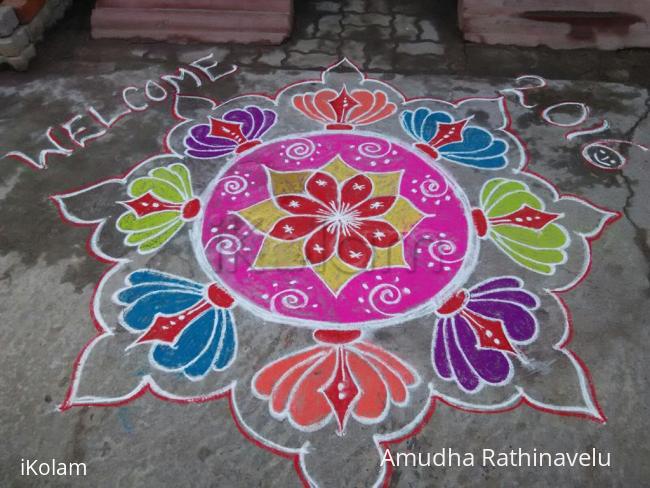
(180, 35)
(284, 6)
(561, 24)
(241, 21)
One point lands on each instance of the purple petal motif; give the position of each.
(505, 282)
(253, 122)
(463, 348)
(492, 366)
(518, 321)
(463, 371)
(200, 144)
(440, 359)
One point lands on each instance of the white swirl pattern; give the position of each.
(382, 295)
(434, 188)
(443, 250)
(291, 299)
(301, 149)
(234, 185)
(228, 244)
(375, 149)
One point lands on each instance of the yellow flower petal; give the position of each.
(280, 254)
(335, 273)
(403, 215)
(262, 216)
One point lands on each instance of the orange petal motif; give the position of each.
(393, 362)
(338, 381)
(373, 400)
(292, 385)
(322, 102)
(305, 103)
(396, 386)
(369, 107)
(376, 107)
(382, 377)
(265, 379)
(309, 407)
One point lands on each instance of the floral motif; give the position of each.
(357, 237)
(340, 378)
(456, 141)
(343, 110)
(237, 131)
(480, 329)
(514, 219)
(188, 323)
(335, 218)
(332, 221)
(162, 203)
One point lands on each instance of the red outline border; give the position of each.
(615, 215)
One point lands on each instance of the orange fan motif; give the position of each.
(343, 110)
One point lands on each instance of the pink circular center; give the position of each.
(336, 230)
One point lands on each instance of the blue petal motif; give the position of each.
(206, 343)
(130, 295)
(220, 352)
(151, 276)
(478, 148)
(204, 361)
(142, 312)
(226, 353)
(188, 346)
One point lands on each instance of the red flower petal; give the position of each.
(292, 228)
(354, 250)
(356, 190)
(299, 205)
(374, 207)
(373, 401)
(308, 405)
(378, 233)
(323, 187)
(321, 244)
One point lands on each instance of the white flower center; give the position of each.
(340, 217)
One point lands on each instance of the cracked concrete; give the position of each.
(46, 277)
(638, 131)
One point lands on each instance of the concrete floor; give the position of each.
(47, 278)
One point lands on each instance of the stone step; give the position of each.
(248, 5)
(488, 23)
(512, 6)
(559, 24)
(193, 25)
(603, 41)
(190, 34)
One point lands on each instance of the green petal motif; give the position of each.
(172, 184)
(157, 211)
(537, 247)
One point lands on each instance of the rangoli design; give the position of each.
(337, 260)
